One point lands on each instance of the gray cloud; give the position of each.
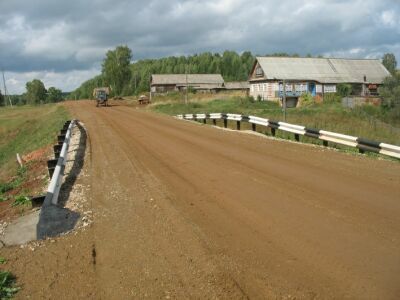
(65, 37)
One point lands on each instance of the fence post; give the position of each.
(238, 125)
(253, 127)
(61, 138)
(51, 165)
(325, 143)
(57, 150)
(215, 122)
(297, 137)
(273, 131)
(225, 123)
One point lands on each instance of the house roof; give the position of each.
(324, 70)
(180, 79)
(202, 86)
(237, 85)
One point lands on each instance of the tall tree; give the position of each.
(1, 99)
(390, 91)
(116, 70)
(54, 95)
(231, 65)
(390, 63)
(35, 91)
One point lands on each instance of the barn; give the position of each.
(163, 83)
(317, 76)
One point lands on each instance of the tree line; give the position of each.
(126, 78)
(36, 93)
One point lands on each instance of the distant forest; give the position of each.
(231, 65)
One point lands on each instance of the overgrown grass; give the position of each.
(329, 116)
(27, 128)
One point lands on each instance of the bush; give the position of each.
(7, 288)
(21, 200)
(332, 98)
(192, 90)
(306, 99)
(344, 89)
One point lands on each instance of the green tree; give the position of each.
(344, 89)
(231, 65)
(390, 92)
(35, 91)
(116, 68)
(390, 63)
(1, 99)
(54, 95)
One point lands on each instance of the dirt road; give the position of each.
(183, 210)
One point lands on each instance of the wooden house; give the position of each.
(243, 86)
(317, 76)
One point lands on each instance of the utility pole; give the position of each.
(284, 100)
(5, 90)
(187, 87)
(150, 89)
(135, 82)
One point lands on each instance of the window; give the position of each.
(259, 71)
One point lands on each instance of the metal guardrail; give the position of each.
(326, 136)
(57, 166)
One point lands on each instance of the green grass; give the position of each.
(7, 285)
(25, 129)
(328, 116)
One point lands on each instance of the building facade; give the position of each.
(317, 76)
(164, 83)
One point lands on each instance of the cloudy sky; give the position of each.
(63, 42)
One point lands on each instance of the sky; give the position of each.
(63, 43)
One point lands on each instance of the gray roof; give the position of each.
(203, 86)
(192, 79)
(237, 85)
(324, 70)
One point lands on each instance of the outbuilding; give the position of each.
(243, 86)
(163, 83)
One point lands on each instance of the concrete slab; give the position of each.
(22, 230)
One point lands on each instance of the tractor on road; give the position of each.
(101, 95)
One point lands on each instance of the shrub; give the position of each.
(332, 98)
(344, 89)
(21, 200)
(192, 90)
(306, 99)
(7, 288)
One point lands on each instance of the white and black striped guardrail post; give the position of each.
(56, 166)
(63, 138)
(325, 136)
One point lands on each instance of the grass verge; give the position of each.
(327, 116)
(24, 129)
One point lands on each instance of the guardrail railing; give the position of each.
(56, 167)
(326, 136)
